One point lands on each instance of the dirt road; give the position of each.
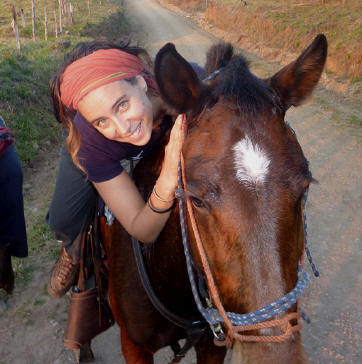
(32, 329)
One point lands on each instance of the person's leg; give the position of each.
(71, 207)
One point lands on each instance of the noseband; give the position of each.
(237, 323)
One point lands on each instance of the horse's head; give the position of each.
(245, 170)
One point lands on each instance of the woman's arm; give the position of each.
(123, 198)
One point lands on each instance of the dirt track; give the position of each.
(32, 333)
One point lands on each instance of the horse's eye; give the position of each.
(197, 202)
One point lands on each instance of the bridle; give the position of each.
(238, 323)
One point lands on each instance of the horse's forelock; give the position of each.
(218, 56)
(253, 95)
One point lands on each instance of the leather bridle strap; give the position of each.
(283, 323)
(200, 248)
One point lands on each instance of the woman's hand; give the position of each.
(167, 181)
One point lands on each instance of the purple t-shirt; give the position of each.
(101, 157)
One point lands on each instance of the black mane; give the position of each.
(252, 94)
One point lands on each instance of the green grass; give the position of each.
(23, 269)
(356, 79)
(24, 100)
(39, 234)
(354, 119)
(39, 302)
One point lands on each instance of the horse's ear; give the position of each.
(296, 81)
(177, 81)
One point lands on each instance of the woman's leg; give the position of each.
(71, 207)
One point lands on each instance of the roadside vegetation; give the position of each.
(291, 24)
(25, 102)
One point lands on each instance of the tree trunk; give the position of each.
(23, 18)
(34, 19)
(46, 23)
(71, 11)
(14, 24)
(56, 24)
(60, 17)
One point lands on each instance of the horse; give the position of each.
(246, 176)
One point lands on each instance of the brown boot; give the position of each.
(63, 274)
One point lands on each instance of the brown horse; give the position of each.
(246, 175)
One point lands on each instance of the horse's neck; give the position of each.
(164, 259)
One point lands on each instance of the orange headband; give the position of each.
(97, 69)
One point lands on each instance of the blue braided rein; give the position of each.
(307, 251)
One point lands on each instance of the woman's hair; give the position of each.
(65, 115)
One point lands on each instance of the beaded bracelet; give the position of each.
(157, 210)
(159, 197)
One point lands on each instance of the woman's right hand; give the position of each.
(167, 181)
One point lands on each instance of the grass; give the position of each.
(356, 79)
(24, 97)
(355, 120)
(39, 302)
(290, 25)
(25, 102)
(23, 269)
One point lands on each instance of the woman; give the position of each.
(110, 109)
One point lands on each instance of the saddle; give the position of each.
(89, 312)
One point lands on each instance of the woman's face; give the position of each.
(120, 110)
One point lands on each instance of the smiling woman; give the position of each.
(107, 101)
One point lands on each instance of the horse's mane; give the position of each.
(252, 94)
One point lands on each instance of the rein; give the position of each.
(236, 323)
(195, 329)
